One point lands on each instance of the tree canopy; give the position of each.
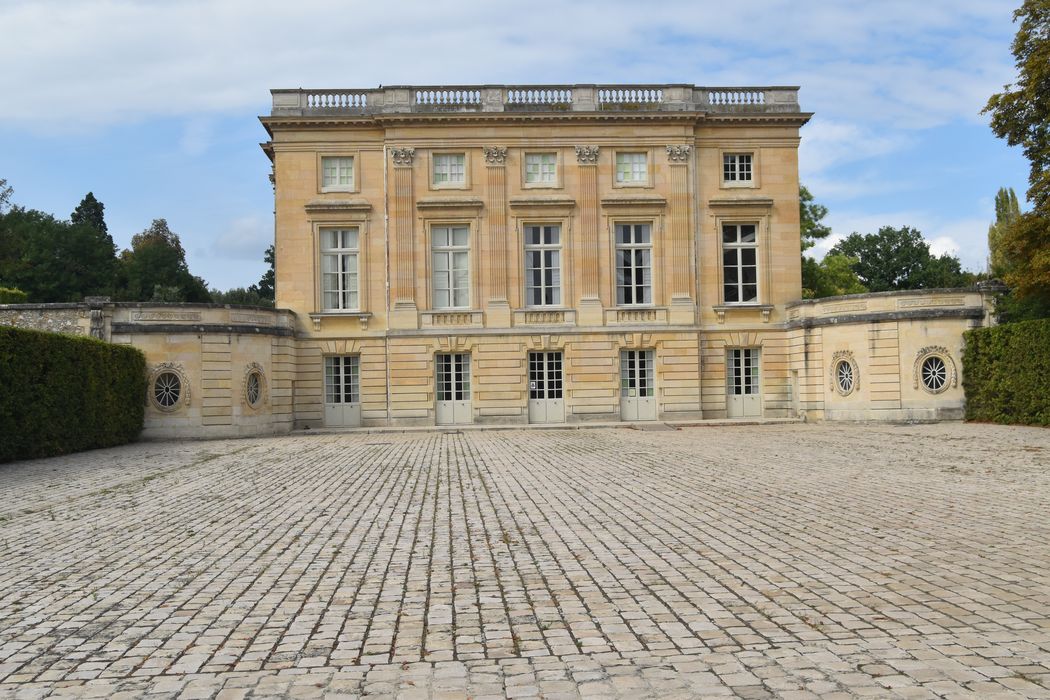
(898, 259)
(155, 268)
(1021, 115)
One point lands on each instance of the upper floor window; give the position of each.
(632, 168)
(450, 169)
(339, 269)
(634, 276)
(541, 169)
(736, 168)
(450, 254)
(337, 173)
(542, 265)
(740, 263)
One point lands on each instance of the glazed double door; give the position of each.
(453, 406)
(637, 386)
(546, 388)
(743, 392)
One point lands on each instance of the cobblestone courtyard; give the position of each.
(788, 561)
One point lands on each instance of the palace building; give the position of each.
(541, 254)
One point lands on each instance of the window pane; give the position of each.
(729, 234)
(747, 256)
(460, 236)
(731, 293)
(440, 262)
(439, 235)
(750, 292)
(747, 233)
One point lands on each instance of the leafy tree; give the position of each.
(90, 211)
(1021, 115)
(5, 195)
(1007, 211)
(240, 296)
(52, 260)
(823, 278)
(265, 287)
(831, 277)
(896, 259)
(155, 268)
(811, 219)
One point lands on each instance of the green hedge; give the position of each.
(12, 296)
(1006, 373)
(61, 393)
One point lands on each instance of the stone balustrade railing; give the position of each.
(535, 98)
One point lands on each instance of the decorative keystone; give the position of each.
(403, 156)
(495, 155)
(587, 155)
(678, 153)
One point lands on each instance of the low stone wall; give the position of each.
(69, 319)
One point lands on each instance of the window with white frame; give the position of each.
(740, 263)
(632, 168)
(342, 379)
(337, 173)
(450, 169)
(736, 168)
(339, 269)
(543, 265)
(450, 270)
(541, 168)
(634, 252)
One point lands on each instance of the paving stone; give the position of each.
(756, 561)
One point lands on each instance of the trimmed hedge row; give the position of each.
(1006, 373)
(61, 393)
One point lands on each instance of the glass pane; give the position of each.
(532, 235)
(729, 257)
(440, 236)
(440, 262)
(750, 275)
(747, 233)
(747, 256)
(750, 292)
(622, 234)
(461, 236)
(641, 233)
(731, 293)
(552, 235)
(729, 234)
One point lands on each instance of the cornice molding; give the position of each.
(634, 200)
(563, 201)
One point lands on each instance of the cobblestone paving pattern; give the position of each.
(792, 561)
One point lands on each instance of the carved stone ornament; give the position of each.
(587, 155)
(165, 394)
(848, 381)
(949, 376)
(679, 153)
(403, 156)
(98, 324)
(495, 155)
(253, 392)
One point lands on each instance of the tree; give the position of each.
(831, 277)
(1007, 211)
(90, 211)
(818, 279)
(811, 217)
(155, 268)
(896, 259)
(240, 296)
(265, 287)
(1021, 113)
(5, 195)
(1021, 116)
(52, 260)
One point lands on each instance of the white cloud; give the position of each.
(116, 60)
(245, 238)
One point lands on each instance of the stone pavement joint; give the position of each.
(755, 561)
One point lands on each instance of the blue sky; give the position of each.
(152, 104)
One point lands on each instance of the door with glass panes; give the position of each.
(342, 391)
(546, 402)
(743, 391)
(453, 389)
(637, 388)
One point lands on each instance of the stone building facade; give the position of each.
(542, 254)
